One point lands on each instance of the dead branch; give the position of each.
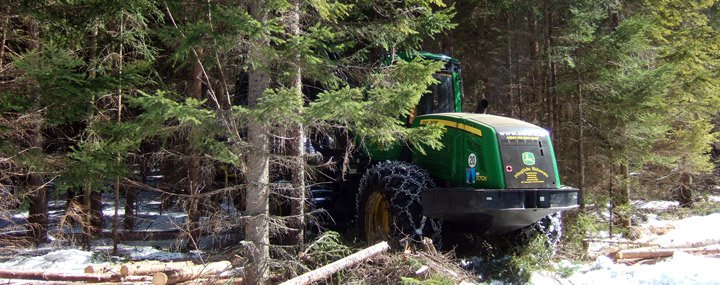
(330, 269)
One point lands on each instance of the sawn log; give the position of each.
(189, 273)
(55, 276)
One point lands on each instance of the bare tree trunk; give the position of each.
(611, 196)
(194, 163)
(297, 208)
(6, 22)
(38, 212)
(257, 177)
(550, 71)
(131, 194)
(685, 192)
(116, 198)
(581, 144)
(87, 223)
(625, 220)
(510, 70)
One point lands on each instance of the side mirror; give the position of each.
(483, 106)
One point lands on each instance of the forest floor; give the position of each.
(662, 226)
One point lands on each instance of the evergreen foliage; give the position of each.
(90, 89)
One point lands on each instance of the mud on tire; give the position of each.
(400, 184)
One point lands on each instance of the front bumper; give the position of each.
(496, 211)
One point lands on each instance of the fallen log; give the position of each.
(151, 267)
(701, 243)
(55, 276)
(330, 269)
(645, 253)
(620, 242)
(189, 273)
(102, 269)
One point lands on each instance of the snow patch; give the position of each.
(65, 260)
(657, 205)
(680, 269)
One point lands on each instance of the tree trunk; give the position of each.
(87, 223)
(297, 208)
(194, 162)
(685, 192)
(38, 208)
(510, 71)
(129, 217)
(581, 144)
(257, 177)
(6, 22)
(116, 194)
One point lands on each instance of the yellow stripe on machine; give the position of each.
(451, 124)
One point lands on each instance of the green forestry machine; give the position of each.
(494, 175)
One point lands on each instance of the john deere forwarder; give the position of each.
(494, 175)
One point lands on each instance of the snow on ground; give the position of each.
(689, 232)
(656, 205)
(682, 268)
(63, 260)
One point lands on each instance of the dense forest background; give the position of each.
(97, 96)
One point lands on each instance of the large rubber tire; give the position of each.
(396, 186)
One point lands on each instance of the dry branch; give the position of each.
(54, 276)
(189, 273)
(330, 269)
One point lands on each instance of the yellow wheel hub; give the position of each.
(377, 218)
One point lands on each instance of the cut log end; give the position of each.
(160, 278)
(125, 271)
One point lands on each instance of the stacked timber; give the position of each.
(157, 272)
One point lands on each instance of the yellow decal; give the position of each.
(479, 177)
(523, 138)
(451, 124)
(531, 175)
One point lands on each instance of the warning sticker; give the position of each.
(472, 160)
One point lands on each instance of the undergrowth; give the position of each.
(514, 266)
(698, 209)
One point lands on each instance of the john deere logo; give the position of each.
(528, 158)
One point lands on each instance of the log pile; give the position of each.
(157, 272)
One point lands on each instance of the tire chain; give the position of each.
(404, 182)
(551, 227)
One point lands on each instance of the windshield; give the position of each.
(441, 99)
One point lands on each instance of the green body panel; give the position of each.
(376, 152)
(472, 156)
(461, 139)
(554, 161)
(479, 151)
